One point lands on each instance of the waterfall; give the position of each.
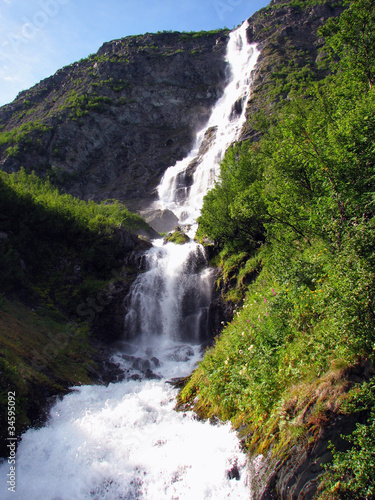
(184, 185)
(125, 441)
(171, 299)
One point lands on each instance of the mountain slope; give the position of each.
(287, 35)
(109, 125)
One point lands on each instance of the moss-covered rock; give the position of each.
(178, 237)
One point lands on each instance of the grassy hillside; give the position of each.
(294, 215)
(40, 226)
(56, 254)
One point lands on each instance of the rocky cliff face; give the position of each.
(109, 126)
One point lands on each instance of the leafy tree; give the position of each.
(351, 39)
(234, 210)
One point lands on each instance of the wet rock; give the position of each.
(110, 372)
(178, 382)
(129, 358)
(127, 348)
(162, 221)
(196, 261)
(144, 240)
(214, 420)
(234, 473)
(109, 308)
(141, 365)
(181, 354)
(155, 361)
(149, 374)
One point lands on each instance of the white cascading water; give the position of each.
(125, 441)
(223, 128)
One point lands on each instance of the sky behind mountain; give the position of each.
(37, 37)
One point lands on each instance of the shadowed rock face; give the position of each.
(110, 125)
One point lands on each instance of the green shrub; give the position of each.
(351, 474)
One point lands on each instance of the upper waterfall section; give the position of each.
(184, 185)
(110, 125)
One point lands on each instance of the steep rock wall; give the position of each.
(109, 126)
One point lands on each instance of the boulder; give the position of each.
(162, 221)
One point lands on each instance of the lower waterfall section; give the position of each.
(171, 299)
(126, 442)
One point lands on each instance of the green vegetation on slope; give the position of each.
(55, 251)
(300, 205)
(39, 357)
(42, 226)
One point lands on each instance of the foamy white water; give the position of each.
(170, 301)
(125, 441)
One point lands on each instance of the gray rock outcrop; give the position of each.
(161, 221)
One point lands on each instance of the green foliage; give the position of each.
(300, 205)
(301, 4)
(234, 210)
(192, 35)
(351, 38)
(23, 138)
(45, 229)
(83, 104)
(113, 84)
(351, 474)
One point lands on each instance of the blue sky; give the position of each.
(37, 37)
